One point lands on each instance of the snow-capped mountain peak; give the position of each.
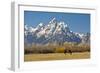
(54, 31)
(53, 20)
(40, 24)
(26, 27)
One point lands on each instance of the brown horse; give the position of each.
(67, 51)
(70, 52)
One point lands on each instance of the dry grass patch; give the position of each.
(56, 56)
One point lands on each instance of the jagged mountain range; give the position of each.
(53, 32)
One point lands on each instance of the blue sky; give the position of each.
(77, 22)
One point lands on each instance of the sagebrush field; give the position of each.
(56, 52)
